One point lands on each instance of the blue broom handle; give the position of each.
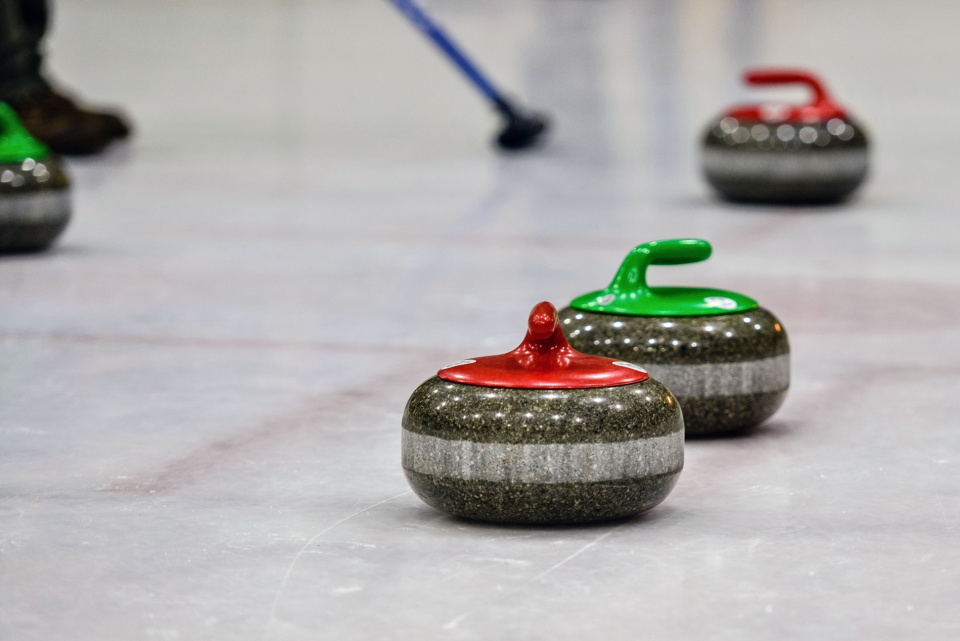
(435, 33)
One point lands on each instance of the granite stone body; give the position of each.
(542, 455)
(728, 371)
(34, 204)
(785, 162)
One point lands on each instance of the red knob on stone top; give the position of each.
(544, 360)
(543, 321)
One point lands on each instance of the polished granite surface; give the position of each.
(201, 387)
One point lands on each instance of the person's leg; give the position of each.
(20, 58)
(36, 18)
(36, 15)
(49, 115)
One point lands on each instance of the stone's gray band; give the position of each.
(547, 463)
(787, 165)
(724, 379)
(35, 207)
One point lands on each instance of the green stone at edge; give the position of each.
(629, 293)
(16, 143)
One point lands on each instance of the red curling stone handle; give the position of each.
(822, 103)
(544, 360)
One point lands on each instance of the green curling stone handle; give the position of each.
(680, 251)
(16, 143)
(629, 293)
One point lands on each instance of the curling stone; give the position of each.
(34, 189)
(776, 153)
(542, 434)
(724, 357)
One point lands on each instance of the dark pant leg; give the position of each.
(36, 15)
(23, 24)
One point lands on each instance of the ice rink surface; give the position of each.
(201, 386)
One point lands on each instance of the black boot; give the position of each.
(66, 127)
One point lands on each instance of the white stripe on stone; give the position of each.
(770, 165)
(548, 463)
(724, 379)
(35, 208)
